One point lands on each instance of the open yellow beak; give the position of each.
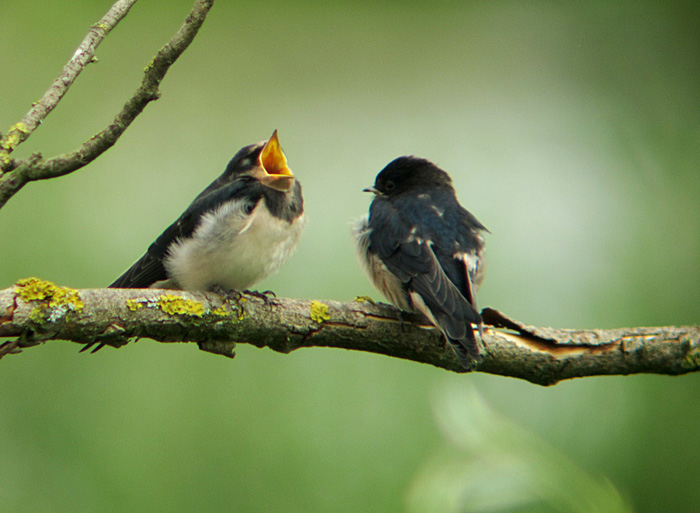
(274, 163)
(272, 158)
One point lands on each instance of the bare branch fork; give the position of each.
(39, 311)
(15, 174)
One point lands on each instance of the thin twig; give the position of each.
(84, 55)
(36, 168)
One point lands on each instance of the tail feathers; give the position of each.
(467, 349)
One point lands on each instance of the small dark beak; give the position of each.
(371, 189)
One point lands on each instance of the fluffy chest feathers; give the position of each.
(233, 247)
(388, 284)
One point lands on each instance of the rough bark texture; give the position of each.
(32, 314)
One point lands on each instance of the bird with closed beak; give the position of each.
(236, 232)
(423, 250)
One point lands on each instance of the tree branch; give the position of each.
(84, 55)
(35, 311)
(19, 173)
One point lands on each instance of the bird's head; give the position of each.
(409, 174)
(266, 162)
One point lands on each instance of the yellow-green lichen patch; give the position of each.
(364, 299)
(34, 289)
(233, 313)
(176, 305)
(319, 312)
(220, 311)
(14, 136)
(134, 304)
(36, 315)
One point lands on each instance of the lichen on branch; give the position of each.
(30, 314)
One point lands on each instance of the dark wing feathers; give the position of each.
(439, 294)
(408, 254)
(146, 271)
(150, 267)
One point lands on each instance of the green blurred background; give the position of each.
(572, 131)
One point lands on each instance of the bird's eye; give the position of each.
(249, 208)
(389, 185)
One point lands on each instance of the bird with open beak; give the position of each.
(423, 250)
(236, 232)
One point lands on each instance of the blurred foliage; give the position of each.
(493, 465)
(571, 130)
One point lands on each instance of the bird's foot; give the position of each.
(227, 294)
(266, 296)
